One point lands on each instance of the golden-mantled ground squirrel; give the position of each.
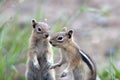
(78, 61)
(40, 55)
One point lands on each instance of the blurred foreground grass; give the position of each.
(13, 43)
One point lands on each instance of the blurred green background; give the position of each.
(96, 30)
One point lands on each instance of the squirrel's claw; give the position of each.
(63, 74)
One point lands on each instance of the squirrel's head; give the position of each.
(61, 39)
(40, 29)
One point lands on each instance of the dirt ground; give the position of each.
(96, 31)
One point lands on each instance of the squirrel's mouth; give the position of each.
(45, 37)
(52, 43)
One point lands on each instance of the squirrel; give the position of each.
(77, 60)
(40, 55)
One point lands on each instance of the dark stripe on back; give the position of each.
(87, 61)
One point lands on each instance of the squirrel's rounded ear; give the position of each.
(64, 29)
(70, 32)
(34, 23)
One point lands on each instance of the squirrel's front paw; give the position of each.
(48, 65)
(63, 74)
(54, 66)
(37, 66)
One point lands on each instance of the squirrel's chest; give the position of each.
(42, 56)
(41, 51)
(71, 55)
(67, 55)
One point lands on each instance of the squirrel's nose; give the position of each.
(50, 42)
(46, 35)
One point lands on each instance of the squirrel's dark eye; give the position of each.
(39, 29)
(60, 38)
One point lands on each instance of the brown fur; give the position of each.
(40, 55)
(72, 55)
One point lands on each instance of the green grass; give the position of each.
(103, 11)
(110, 73)
(13, 43)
